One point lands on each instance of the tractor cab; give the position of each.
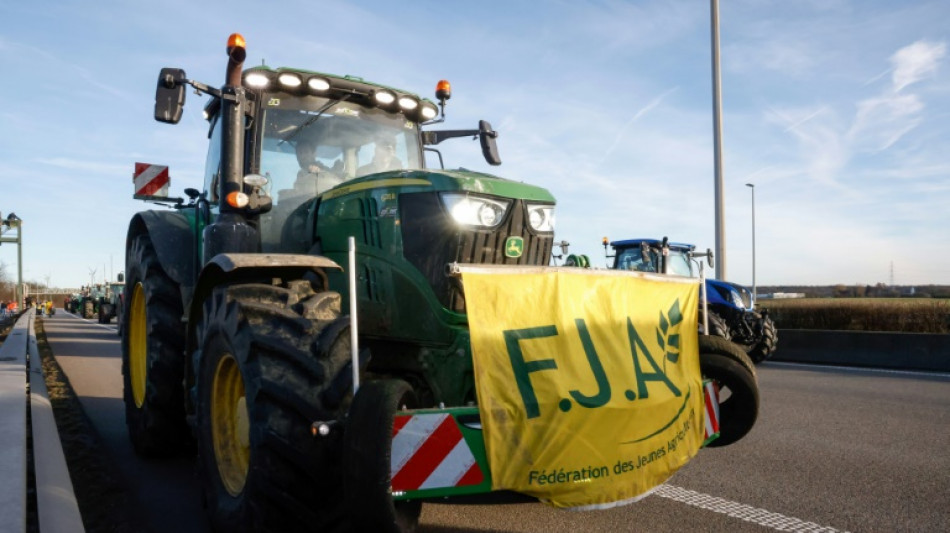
(305, 133)
(652, 255)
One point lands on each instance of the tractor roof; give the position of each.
(630, 243)
(351, 88)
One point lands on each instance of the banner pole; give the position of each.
(354, 343)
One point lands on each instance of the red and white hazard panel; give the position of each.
(151, 180)
(711, 397)
(428, 452)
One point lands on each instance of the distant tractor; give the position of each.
(85, 303)
(733, 314)
(109, 300)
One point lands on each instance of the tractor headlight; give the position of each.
(475, 210)
(256, 80)
(541, 217)
(289, 80)
(318, 84)
(736, 299)
(428, 111)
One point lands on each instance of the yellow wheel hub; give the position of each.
(230, 425)
(138, 345)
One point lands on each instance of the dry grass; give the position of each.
(909, 315)
(103, 501)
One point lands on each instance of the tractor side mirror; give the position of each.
(709, 258)
(487, 137)
(121, 277)
(170, 95)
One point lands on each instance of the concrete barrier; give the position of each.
(57, 509)
(13, 406)
(899, 351)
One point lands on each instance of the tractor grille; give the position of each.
(431, 239)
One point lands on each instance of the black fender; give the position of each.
(231, 268)
(173, 238)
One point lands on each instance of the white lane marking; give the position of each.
(859, 369)
(742, 511)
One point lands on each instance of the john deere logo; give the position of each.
(514, 247)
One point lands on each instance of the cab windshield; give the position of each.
(633, 258)
(310, 145)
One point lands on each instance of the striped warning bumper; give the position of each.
(429, 452)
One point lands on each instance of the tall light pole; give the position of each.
(752, 186)
(717, 145)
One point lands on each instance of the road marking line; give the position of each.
(859, 369)
(745, 512)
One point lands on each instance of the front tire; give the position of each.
(764, 349)
(268, 361)
(367, 449)
(717, 326)
(153, 356)
(725, 363)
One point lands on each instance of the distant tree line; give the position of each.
(879, 290)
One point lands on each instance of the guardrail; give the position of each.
(23, 389)
(897, 351)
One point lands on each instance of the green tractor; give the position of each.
(109, 300)
(86, 303)
(234, 336)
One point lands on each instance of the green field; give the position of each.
(911, 315)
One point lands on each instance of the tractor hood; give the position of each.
(444, 180)
(732, 293)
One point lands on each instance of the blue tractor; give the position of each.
(732, 311)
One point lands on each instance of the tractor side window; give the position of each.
(213, 162)
(678, 263)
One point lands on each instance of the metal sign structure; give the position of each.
(14, 222)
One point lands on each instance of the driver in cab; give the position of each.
(314, 178)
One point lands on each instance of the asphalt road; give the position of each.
(834, 450)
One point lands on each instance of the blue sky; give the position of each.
(837, 111)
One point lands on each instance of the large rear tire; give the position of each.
(725, 363)
(764, 349)
(152, 356)
(367, 450)
(269, 364)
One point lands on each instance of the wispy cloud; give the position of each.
(882, 120)
(640, 112)
(916, 62)
(86, 165)
(829, 142)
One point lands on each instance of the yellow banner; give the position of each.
(588, 383)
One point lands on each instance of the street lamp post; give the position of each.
(752, 186)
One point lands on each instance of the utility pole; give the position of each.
(717, 146)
